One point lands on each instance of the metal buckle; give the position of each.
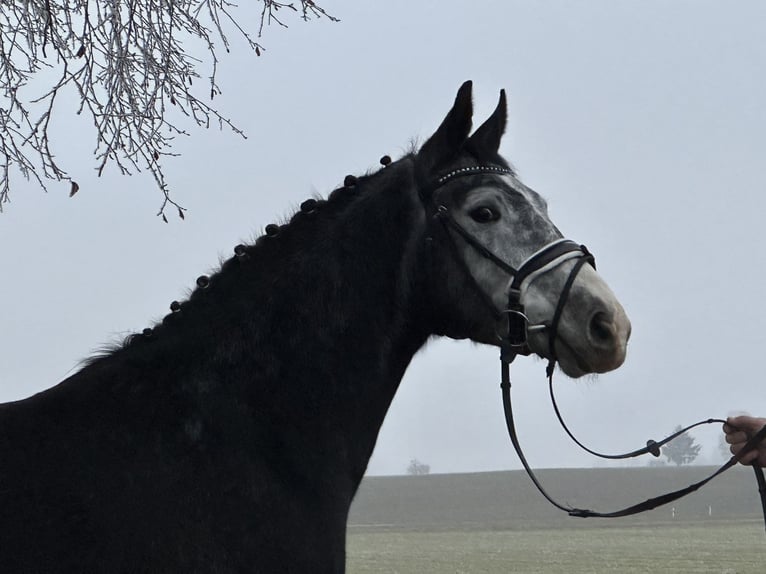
(516, 334)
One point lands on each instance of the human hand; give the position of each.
(738, 430)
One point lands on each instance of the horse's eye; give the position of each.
(484, 215)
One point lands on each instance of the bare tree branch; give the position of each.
(129, 62)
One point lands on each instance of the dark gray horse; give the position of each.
(232, 436)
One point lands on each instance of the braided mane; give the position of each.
(267, 246)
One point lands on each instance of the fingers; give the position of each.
(738, 430)
(744, 423)
(735, 430)
(737, 447)
(736, 437)
(748, 457)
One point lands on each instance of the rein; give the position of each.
(514, 343)
(652, 447)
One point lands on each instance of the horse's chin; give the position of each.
(570, 364)
(574, 364)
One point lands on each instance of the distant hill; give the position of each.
(508, 500)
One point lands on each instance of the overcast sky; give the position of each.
(643, 123)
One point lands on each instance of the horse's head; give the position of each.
(486, 229)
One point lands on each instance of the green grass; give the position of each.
(497, 522)
(509, 501)
(720, 548)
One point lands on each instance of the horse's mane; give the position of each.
(311, 212)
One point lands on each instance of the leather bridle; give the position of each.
(514, 343)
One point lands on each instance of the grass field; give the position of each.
(684, 549)
(495, 523)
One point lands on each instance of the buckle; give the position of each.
(516, 333)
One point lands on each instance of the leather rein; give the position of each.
(514, 343)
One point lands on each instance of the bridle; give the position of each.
(514, 343)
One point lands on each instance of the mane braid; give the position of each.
(247, 258)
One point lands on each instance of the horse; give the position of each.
(231, 436)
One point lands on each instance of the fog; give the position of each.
(642, 123)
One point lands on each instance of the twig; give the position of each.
(128, 63)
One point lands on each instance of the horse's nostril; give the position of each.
(601, 328)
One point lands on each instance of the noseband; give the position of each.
(514, 343)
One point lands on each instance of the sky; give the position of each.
(642, 123)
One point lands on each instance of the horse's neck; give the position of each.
(344, 325)
(303, 345)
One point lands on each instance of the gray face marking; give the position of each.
(523, 213)
(521, 228)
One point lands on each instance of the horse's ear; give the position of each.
(449, 138)
(486, 140)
